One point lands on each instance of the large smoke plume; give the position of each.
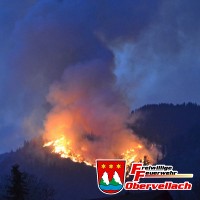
(111, 55)
(92, 114)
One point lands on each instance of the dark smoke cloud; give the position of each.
(40, 39)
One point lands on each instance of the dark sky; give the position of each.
(152, 48)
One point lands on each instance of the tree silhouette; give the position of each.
(23, 186)
(145, 160)
(17, 188)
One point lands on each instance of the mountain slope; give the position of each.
(70, 180)
(175, 127)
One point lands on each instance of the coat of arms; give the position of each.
(110, 175)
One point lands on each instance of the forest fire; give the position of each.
(89, 118)
(62, 147)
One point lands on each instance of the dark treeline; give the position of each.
(163, 122)
(176, 128)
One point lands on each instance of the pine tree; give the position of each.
(17, 188)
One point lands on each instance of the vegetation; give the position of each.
(22, 186)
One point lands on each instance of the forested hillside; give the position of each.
(176, 128)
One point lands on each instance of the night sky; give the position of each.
(147, 49)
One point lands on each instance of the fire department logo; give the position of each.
(110, 175)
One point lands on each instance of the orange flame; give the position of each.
(63, 147)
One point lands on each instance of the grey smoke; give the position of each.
(152, 47)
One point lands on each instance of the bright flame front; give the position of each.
(63, 147)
